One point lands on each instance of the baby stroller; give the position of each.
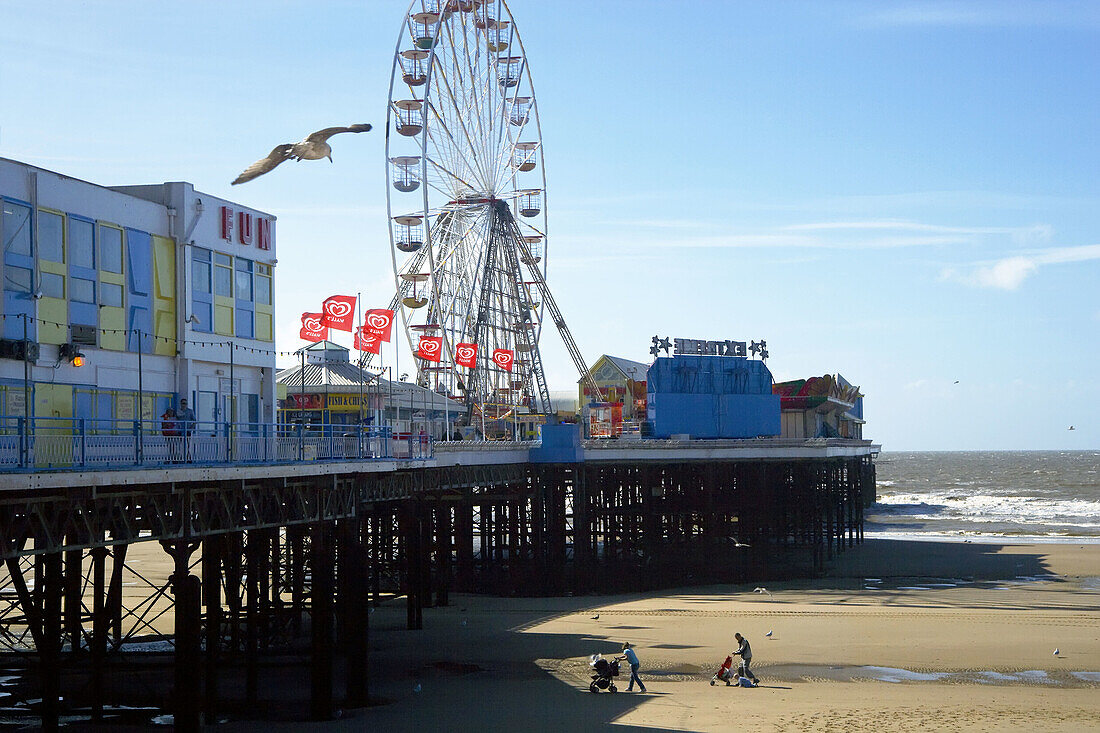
(725, 672)
(602, 673)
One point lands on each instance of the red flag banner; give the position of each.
(339, 312)
(466, 355)
(379, 322)
(312, 328)
(429, 348)
(503, 358)
(365, 341)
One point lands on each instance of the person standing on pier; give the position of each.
(185, 418)
(745, 652)
(632, 659)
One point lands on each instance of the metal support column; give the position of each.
(321, 622)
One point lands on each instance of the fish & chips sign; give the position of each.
(708, 348)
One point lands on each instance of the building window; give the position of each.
(51, 238)
(83, 291)
(244, 279)
(200, 270)
(53, 286)
(246, 327)
(109, 294)
(18, 279)
(81, 243)
(263, 284)
(16, 229)
(110, 249)
(223, 275)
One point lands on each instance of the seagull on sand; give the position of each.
(739, 543)
(314, 147)
(768, 634)
(759, 589)
(596, 617)
(1055, 652)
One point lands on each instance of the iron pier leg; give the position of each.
(212, 599)
(253, 550)
(321, 623)
(114, 592)
(74, 576)
(99, 628)
(50, 651)
(355, 587)
(187, 709)
(443, 553)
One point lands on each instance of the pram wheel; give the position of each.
(712, 682)
(612, 688)
(592, 688)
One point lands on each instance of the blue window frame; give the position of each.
(17, 239)
(139, 281)
(245, 316)
(202, 288)
(83, 308)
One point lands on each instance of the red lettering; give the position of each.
(263, 233)
(226, 222)
(244, 227)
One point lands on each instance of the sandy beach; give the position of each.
(902, 635)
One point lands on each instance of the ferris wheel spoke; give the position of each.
(473, 157)
(466, 55)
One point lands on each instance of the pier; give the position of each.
(296, 548)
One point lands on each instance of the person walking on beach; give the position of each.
(745, 652)
(632, 658)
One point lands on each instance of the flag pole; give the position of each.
(359, 297)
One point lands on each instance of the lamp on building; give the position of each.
(73, 353)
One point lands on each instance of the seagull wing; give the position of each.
(276, 156)
(322, 135)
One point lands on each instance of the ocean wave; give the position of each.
(985, 509)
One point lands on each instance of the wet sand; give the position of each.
(901, 636)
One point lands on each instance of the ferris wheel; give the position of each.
(467, 206)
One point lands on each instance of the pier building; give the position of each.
(120, 300)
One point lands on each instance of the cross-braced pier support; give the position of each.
(284, 567)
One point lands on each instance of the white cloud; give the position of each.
(916, 385)
(1010, 272)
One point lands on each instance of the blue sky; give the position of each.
(903, 192)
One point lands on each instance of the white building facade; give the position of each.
(166, 293)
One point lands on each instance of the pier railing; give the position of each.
(50, 443)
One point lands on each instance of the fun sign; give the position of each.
(339, 312)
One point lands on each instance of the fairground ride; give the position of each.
(463, 157)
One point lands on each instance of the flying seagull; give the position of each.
(314, 147)
(739, 543)
(762, 590)
(1072, 428)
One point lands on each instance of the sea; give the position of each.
(1033, 496)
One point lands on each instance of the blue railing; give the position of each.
(49, 443)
